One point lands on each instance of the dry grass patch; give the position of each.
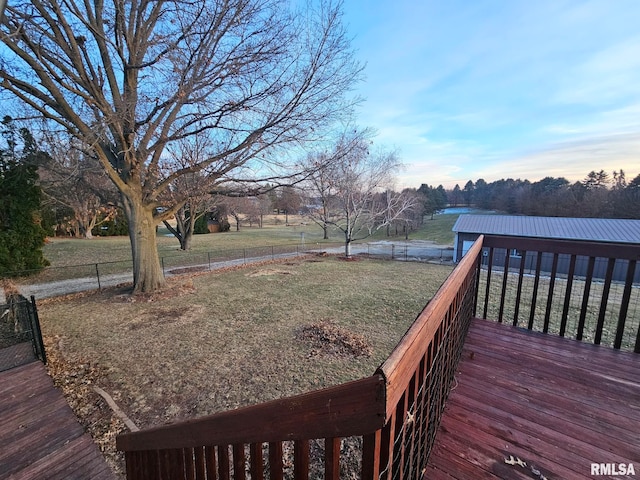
(326, 338)
(228, 339)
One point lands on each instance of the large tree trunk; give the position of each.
(147, 273)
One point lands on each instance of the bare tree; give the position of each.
(320, 186)
(320, 192)
(74, 179)
(241, 208)
(130, 78)
(289, 202)
(349, 188)
(399, 209)
(410, 206)
(186, 217)
(264, 207)
(192, 189)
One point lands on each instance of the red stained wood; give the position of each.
(616, 250)
(332, 458)
(404, 360)
(275, 461)
(200, 465)
(371, 444)
(554, 403)
(301, 460)
(349, 409)
(40, 436)
(223, 462)
(210, 463)
(257, 466)
(238, 462)
(525, 405)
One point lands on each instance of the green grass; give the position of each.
(437, 230)
(77, 258)
(70, 251)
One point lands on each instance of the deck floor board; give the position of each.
(529, 405)
(40, 436)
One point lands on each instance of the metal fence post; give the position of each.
(162, 261)
(209, 259)
(37, 332)
(98, 276)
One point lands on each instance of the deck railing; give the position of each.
(384, 426)
(389, 418)
(583, 290)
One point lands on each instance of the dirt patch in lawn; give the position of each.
(269, 271)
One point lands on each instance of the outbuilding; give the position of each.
(603, 230)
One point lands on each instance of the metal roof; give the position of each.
(588, 229)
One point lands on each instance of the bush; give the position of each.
(21, 235)
(200, 226)
(117, 226)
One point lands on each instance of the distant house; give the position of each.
(604, 230)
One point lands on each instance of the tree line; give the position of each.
(598, 195)
(347, 188)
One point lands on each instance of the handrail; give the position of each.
(400, 365)
(397, 410)
(352, 408)
(419, 373)
(584, 290)
(623, 251)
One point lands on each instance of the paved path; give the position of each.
(414, 250)
(75, 285)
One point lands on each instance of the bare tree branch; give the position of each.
(131, 79)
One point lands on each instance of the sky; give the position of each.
(469, 89)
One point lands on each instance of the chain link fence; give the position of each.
(56, 281)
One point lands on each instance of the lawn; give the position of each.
(222, 340)
(72, 258)
(64, 252)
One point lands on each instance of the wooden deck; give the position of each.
(529, 405)
(40, 437)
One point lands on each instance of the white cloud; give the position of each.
(493, 89)
(608, 75)
(572, 159)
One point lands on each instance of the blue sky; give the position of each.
(469, 89)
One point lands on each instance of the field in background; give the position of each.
(69, 251)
